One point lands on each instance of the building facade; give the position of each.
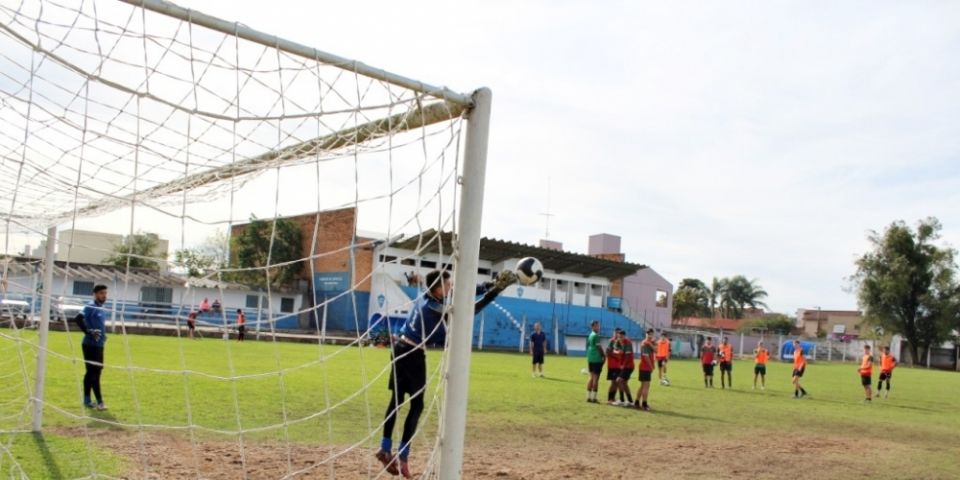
(833, 324)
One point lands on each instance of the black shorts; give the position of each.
(645, 376)
(798, 372)
(242, 328)
(661, 361)
(886, 376)
(613, 373)
(626, 373)
(708, 369)
(538, 357)
(761, 369)
(409, 372)
(191, 325)
(865, 380)
(595, 367)
(726, 366)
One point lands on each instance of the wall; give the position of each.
(127, 297)
(640, 296)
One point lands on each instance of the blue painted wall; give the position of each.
(346, 313)
(500, 332)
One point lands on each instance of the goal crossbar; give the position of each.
(235, 28)
(419, 117)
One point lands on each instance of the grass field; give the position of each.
(519, 427)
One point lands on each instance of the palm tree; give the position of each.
(716, 294)
(742, 293)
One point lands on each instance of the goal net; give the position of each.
(224, 185)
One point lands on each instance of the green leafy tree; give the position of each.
(772, 323)
(205, 259)
(740, 293)
(253, 249)
(907, 285)
(137, 251)
(691, 299)
(716, 299)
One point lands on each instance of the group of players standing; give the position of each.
(619, 357)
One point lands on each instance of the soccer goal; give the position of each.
(238, 195)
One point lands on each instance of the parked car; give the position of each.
(14, 309)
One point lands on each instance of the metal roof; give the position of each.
(496, 250)
(107, 274)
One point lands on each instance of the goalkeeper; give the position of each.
(425, 326)
(92, 321)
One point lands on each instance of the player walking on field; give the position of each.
(799, 365)
(663, 356)
(726, 362)
(647, 349)
(866, 373)
(760, 357)
(707, 359)
(425, 325)
(594, 361)
(887, 364)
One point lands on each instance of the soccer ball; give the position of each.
(529, 271)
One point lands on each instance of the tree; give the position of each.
(205, 259)
(773, 323)
(907, 285)
(715, 292)
(253, 251)
(691, 299)
(741, 293)
(137, 251)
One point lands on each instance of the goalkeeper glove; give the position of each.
(505, 279)
(96, 334)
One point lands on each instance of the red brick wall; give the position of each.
(334, 233)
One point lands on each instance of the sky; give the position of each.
(756, 138)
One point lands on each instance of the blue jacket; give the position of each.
(93, 317)
(425, 322)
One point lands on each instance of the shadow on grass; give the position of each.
(667, 413)
(103, 419)
(558, 380)
(49, 463)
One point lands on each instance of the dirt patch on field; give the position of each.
(584, 456)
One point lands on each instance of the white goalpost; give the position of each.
(180, 159)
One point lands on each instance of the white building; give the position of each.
(147, 295)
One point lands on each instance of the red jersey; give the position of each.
(646, 356)
(707, 354)
(614, 355)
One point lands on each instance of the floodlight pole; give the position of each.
(43, 329)
(457, 374)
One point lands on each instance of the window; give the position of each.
(82, 287)
(156, 294)
(661, 298)
(253, 301)
(286, 305)
(427, 264)
(388, 259)
(483, 271)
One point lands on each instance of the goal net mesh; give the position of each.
(198, 173)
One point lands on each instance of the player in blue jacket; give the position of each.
(92, 321)
(425, 326)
